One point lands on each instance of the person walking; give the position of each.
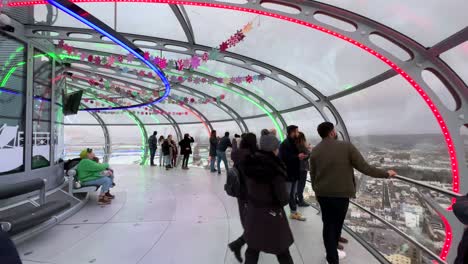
(332, 164)
(266, 224)
(248, 146)
(186, 150)
(161, 156)
(290, 155)
(304, 148)
(224, 143)
(460, 209)
(213, 147)
(153, 146)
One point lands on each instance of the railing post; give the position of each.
(42, 193)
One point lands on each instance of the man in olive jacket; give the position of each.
(332, 164)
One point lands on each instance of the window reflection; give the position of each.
(12, 102)
(41, 112)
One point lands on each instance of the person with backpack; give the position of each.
(266, 223)
(235, 186)
(460, 209)
(153, 146)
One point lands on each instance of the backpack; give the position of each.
(233, 185)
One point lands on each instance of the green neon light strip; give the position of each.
(7, 76)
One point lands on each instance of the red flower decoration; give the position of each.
(90, 58)
(224, 46)
(249, 79)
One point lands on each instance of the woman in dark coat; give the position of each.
(186, 150)
(213, 147)
(304, 148)
(248, 146)
(266, 224)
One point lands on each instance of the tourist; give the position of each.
(186, 150)
(304, 148)
(248, 146)
(91, 173)
(235, 144)
(166, 150)
(266, 224)
(224, 143)
(332, 164)
(153, 146)
(460, 209)
(290, 155)
(8, 251)
(174, 153)
(161, 156)
(213, 146)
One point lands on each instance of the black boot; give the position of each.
(236, 248)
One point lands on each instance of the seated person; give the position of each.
(92, 173)
(108, 172)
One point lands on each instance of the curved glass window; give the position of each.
(12, 104)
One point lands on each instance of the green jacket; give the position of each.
(332, 164)
(89, 170)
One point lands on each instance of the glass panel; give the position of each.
(440, 18)
(268, 89)
(327, 63)
(411, 144)
(59, 151)
(12, 104)
(78, 137)
(127, 144)
(41, 112)
(456, 58)
(102, 11)
(256, 125)
(155, 20)
(393, 246)
(307, 119)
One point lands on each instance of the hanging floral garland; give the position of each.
(193, 62)
(142, 113)
(144, 94)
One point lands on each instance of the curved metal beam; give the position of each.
(184, 23)
(97, 72)
(320, 102)
(237, 88)
(107, 139)
(226, 108)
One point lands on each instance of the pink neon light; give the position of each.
(435, 111)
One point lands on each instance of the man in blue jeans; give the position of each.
(224, 143)
(92, 173)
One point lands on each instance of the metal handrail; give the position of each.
(428, 186)
(401, 233)
(396, 229)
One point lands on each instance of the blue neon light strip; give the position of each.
(8, 91)
(125, 46)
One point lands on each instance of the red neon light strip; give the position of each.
(435, 111)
